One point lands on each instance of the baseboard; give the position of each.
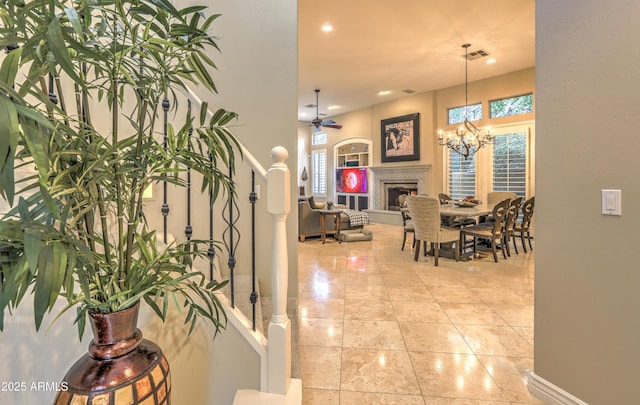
(549, 393)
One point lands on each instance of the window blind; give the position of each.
(462, 175)
(319, 172)
(510, 163)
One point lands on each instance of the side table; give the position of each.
(338, 221)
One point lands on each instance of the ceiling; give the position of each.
(380, 45)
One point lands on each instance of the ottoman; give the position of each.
(355, 235)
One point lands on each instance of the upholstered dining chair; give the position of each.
(510, 222)
(493, 232)
(523, 226)
(425, 214)
(495, 197)
(407, 227)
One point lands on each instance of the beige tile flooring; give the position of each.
(378, 328)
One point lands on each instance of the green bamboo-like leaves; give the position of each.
(122, 58)
(58, 47)
(32, 241)
(8, 129)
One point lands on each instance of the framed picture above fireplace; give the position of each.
(400, 138)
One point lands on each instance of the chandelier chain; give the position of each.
(467, 139)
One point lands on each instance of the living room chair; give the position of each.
(493, 232)
(425, 214)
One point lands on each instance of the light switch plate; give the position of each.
(612, 202)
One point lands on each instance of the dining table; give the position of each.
(459, 211)
(454, 210)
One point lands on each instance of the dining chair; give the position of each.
(510, 222)
(495, 197)
(492, 232)
(444, 198)
(523, 227)
(407, 227)
(425, 214)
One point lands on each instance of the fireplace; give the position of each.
(389, 183)
(394, 191)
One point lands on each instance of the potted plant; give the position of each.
(83, 86)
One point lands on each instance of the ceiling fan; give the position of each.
(317, 122)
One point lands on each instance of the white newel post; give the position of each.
(279, 205)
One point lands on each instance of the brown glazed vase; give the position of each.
(121, 368)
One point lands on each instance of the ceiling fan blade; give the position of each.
(331, 124)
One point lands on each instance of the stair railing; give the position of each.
(277, 178)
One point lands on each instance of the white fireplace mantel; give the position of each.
(404, 173)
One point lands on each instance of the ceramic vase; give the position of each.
(120, 368)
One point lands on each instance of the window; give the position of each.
(462, 175)
(511, 106)
(319, 172)
(456, 115)
(319, 138)
(510, 163)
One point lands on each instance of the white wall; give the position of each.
(587, 326)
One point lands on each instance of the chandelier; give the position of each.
(467, 139)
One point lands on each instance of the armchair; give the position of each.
(309, 220)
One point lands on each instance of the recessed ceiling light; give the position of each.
(333, 107)
(490, 61)
(384, 92)
(327, 27)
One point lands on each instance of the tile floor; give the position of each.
(378, 328)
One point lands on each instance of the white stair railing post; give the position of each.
(279, 205)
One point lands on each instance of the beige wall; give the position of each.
(432, 107)
(587, 326)
(256, 78)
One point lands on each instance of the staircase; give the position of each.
(243, 288)
(263, 316)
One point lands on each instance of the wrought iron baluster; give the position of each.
(253, 197)
(165, 204)
(211, 253)
(52, 94)
(188, 230)
(230, 239)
